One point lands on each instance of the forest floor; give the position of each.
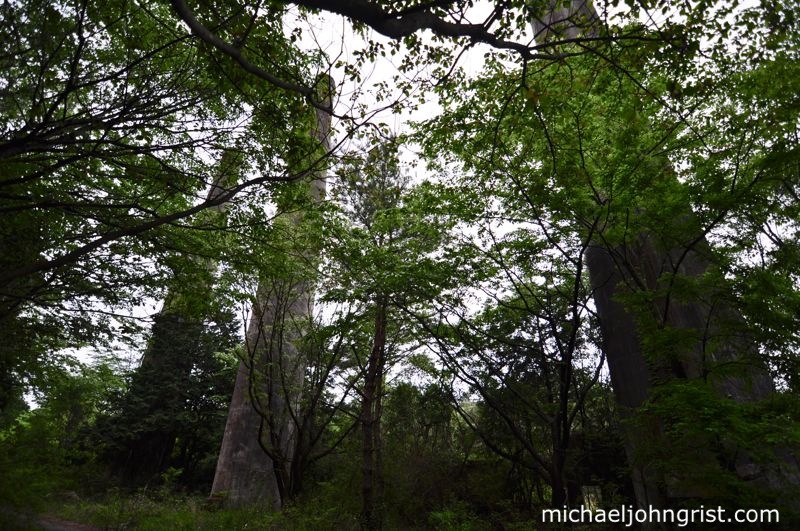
(51, 523)
(16, 520)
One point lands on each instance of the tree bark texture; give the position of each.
(258, 447)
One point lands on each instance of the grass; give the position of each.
(145, 511)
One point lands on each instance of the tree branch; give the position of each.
(235, 53)
(397, 25)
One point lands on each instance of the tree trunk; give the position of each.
(644, 265)
(244, 473)
(634, 372)
(564, 21)
(372, 481)
(258, 447)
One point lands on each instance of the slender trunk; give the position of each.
(558, 495)
(377, 434)
(561, 429)
(372, 482)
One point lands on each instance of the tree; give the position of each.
(173, 411)
(371, 189)
(381, 267)
(258, 450)
(181, 351)
(43, 446)
(530, 374)
(604, 171)
(628, 173)
(111, 114)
